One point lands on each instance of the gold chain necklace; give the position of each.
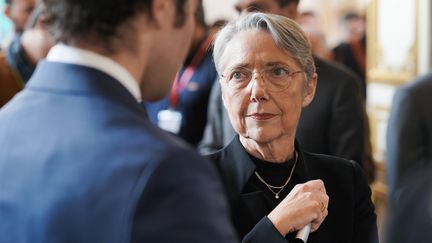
(278, 189)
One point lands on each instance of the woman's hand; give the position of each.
(306, 203)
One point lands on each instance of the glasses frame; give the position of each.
(289, 76)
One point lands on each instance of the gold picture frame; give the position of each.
(392, 57)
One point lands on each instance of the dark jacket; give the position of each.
(353, 56)
(409, 133)
(351, 217)
(410, 219)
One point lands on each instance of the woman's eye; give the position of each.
(278, 71)
(237, 75)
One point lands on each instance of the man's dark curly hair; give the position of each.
(97, 20)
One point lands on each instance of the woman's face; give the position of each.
(260, 110)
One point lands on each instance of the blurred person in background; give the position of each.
(335, 123)
(311, 26)
(21, 57)
(184, 110)
(409, 163)
(18, 11)
(352, 51)
(409, 131)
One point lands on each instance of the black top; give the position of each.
(275, 174)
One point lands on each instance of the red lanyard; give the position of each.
(181, 81)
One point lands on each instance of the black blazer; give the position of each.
(351, 215)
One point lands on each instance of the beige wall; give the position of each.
(219, 9)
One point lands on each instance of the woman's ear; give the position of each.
(309, 92)
(222, 93)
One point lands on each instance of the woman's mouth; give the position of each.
(261, 116)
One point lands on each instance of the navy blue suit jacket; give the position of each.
(80, 162)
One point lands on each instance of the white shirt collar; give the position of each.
(73, 55)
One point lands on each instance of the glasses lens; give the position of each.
(276, 78)
(239, 78)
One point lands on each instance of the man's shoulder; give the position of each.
(171, 149)
(414, 95)
(341, 47)
(421, 86)
(172, 146)
(333, 71)
(337, 79)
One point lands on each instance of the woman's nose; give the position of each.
(258, 88)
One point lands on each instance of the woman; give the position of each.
(273, 186)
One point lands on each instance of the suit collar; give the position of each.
(238, 164)
(71, 79)
(73, 55)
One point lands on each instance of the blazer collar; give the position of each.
(240, 167)
(74, 55)
(80, 80)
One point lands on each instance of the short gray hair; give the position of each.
(286, 34)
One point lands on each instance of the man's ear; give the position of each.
(161, 11)
(6, 11)
(40, 22)
(309, 91)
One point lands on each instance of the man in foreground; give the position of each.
(80, 161)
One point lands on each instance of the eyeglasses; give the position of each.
(278, 77)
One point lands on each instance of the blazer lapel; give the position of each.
(239, 168)
(302, 170)
(237, 165)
